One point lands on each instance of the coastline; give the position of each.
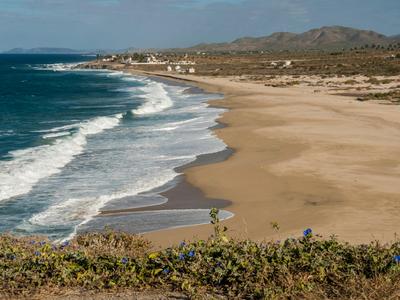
(302, 160)
(301, 175)
(180, 193)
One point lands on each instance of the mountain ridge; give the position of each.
(323, 38)
(48, 50)
(326, 37)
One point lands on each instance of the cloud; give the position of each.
(170, 23)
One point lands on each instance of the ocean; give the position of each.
(75, 142)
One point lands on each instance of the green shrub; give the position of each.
(308, 266)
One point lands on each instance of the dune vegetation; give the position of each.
(308, 267)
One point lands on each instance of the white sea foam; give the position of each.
(116, 73)
(122, 164)
(165, 128)
(60, 128)
(28, 166)
(55, 135)
(58, 67)
(6, 132)
(82, 210)
(156, 99)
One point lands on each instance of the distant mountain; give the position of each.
(324, 38)
(333, 37)
(47, 50)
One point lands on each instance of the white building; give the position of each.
(287, 63)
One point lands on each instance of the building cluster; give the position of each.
(281, 64)
(176, 64)
(177, 68)
(148, 58)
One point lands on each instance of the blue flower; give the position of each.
(64, 244)
(191, 253)
(12, 257)
(219, 264)
(32, 242)
(124, 260)
(182, 244)
(181, 256)
(396, 259)
(37, 253)
(307, 232)
(166, 271)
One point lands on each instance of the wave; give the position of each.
(124, 166)
(81, 210)
(135, 78)
(61, 128)
(55, 135)
(116, 73)
(6, 132)
(28, 166)
(58, 67)
(156, 99)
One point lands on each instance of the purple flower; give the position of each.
(64, 244)
(124, 260)
(181, 256)
(166, 271)
(53, 247)
(307, 232)
(219, 264)
(182, 244)
(37, 253)
(42, 243)
(396, 259)
(32, 242)
(191, 253)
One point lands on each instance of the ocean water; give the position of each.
(75, 142)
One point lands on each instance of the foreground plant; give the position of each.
(304, 267)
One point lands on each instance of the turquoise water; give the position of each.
(75, 142)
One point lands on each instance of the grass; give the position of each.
(392, 96)
(308, 267)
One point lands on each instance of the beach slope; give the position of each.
(302, 159)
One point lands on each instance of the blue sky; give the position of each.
(89, 24)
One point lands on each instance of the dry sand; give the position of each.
(303, 160)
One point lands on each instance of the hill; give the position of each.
(333, 37)
(48, 50)
(396, 37)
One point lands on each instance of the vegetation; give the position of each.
(392, 96)
(307, 267)
(369, 63)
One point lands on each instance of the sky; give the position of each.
(119, 24)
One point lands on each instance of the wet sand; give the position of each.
(182, 194)
(303, 160)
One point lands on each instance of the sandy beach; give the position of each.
(301, 159)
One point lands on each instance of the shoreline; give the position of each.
(179, 193)
(327, 203)
(302, 159)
